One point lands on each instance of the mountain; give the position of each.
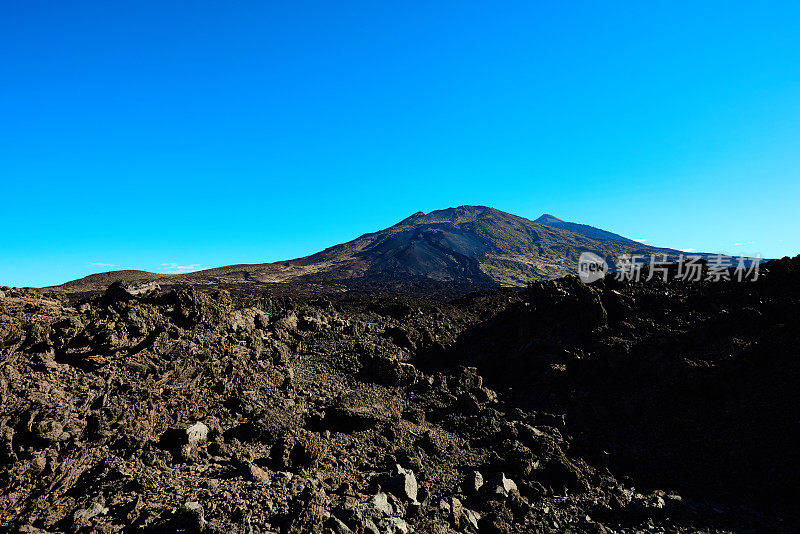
(583, 229)
(477, 244)
(468, 245)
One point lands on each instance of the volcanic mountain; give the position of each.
(468, 245)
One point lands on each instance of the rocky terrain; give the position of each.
(562, 407)
(467, 246)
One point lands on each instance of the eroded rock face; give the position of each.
(190, 411)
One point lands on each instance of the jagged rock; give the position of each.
(312, 323)
(484, 395)
(369, 527)
(94, 509)
(288, 379)
(193, 307)
(122, 291)
(196, 433)
(307, 510)
(287, 322)
(195, 514)
(183, 440)
(403, 483)
(380, 502)
(256, 473)
(400, 337)
(460, 517)
(468, 403)
(648, 502)
(358, 517)
(51, 431)
(674, 501)
(282, 451)
(497, 520)
(456, 510)
(468, 378)
(394, 525)
(472, 518)
(473, 482)
(391, 371)
(337, 526)
(499, 485)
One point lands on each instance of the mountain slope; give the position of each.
(583, 229)
(467, 245)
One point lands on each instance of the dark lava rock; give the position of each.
(223, 410)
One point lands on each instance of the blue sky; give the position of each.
(172, 135)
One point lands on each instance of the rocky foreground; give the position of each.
(615, 407)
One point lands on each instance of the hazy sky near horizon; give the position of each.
(170, 136)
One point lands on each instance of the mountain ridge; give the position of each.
(472, 245)
(583, 229)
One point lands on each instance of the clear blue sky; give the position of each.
(145, 134)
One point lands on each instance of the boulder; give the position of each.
(197, 433)
(194, 514)
(256, 474)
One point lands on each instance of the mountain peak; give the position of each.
(412, 217)
(547, 219)
(453, 214)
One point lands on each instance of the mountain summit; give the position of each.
(467, 245)
(548, 219)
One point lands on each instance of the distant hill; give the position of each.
(467, 246)
(583, 229)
